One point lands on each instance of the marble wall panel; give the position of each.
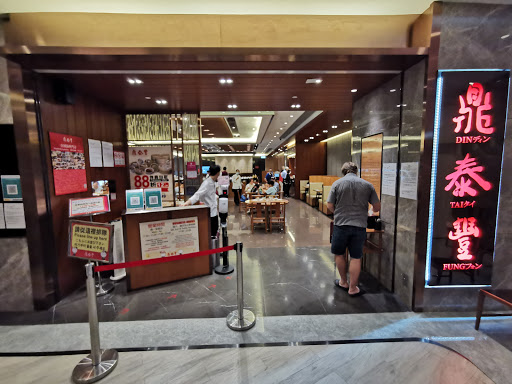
(5, 101)
(379, 112)
(338, 152)
(15, 281)
(410, 145)
(471, 38)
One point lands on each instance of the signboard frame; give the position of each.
(92, 255)
(106, 206)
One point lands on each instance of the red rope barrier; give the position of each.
(111, 267)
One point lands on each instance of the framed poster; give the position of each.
(91, 241)
(119, 159)
(68, 162)
(11, 188)
(134, 199)
(371, 160)
(151, 167)
(469, 131)
(169, 238)
(153, 198)
(89, 206)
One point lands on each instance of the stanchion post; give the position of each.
(99, 363)
(241, 319)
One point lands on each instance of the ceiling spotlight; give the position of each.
(505, 36)
(306, 140)
(311, 138)
(297, 106)
(392, 90)
(158, 101)
(134, 81)
(285, 122)
(235, 106)
(353, 90)
(210, 134)
(138, 81)
(148, 98)
(293, 105)
(294, 97)
(163, 101)
(230, 106)
(325, 131)
(206, 130)
(318, 81)
(254, 129)
(229, 81)
(131, 81)
(317, 134)
(291, 115)
(334, 126)
(275, 135)
(222, 81)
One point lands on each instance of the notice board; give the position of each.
(371, 161)
(68, 162)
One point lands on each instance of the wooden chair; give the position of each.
(277, 214)
(258, 215)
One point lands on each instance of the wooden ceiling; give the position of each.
(215, 127)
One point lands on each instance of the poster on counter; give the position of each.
(169, 238)
(95, 155)
(2, 218)
(14, 214)
(11, 188)
(107, 149)
(119, 159)
(409, 180)
(389, 179)
(134, 199)
(91, 241)
(89, 206)
(153, 198)
(68, 162)
(151, 167)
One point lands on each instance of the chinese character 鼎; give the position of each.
(476, 102)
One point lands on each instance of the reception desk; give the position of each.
(148, 275)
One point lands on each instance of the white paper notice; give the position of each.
(14, 216)
(108, 154)
(2, 219)
(95, 153)
(169, 238)
(409, 180)
(389, 179)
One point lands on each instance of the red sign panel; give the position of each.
(68, 162)
(471, 109)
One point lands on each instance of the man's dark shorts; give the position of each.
(348, 236)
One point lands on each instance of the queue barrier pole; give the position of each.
(99, 363)
(240, 319)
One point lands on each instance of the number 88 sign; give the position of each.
(141, 181)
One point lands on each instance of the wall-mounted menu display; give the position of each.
(469, 132)
(151, 167)
(68, 162)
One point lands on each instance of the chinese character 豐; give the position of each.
(469, 167)
(474, 97)
(464, 229)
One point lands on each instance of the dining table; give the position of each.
(267, 201)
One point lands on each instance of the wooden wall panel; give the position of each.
(87, 119)
(311, 159)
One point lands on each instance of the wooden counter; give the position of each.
(145, 276)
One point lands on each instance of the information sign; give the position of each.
(134, 199)
(89, 206)
(153, 198)
(92, 241)
(68, 162)
(11, 188)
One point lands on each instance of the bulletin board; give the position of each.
(371, 160)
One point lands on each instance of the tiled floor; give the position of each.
(369, 363)
(288, 273)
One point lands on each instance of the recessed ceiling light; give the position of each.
(206, 130)
(285, 122)
(505, 36)
(131, 81)
(254, 129)
(353, 90)
(148, 98)
(138, 81)
(235, 106)
(392, 90)
(281, 128)
(291, 115)
(311, 138)
(222, 81)
(317, 134)
(230, 106)
(293, 105)
(210, 134)
(306, 140)
(325, 131)
(334, 126)
(297, 106)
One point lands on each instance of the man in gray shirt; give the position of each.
(348, 200)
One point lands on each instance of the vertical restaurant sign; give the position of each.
(469, 130)
(68, 162)
(151, 167)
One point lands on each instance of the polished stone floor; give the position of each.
(288, 273)
(368, 363)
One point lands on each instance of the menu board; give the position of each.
(169, 238)
(68, 162)
(92, 241)
(151, 167)
(469, 131)
(371, 161)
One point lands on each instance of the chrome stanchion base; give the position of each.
(246, 323)
(103, 289)
(224, 270)
(85, 372)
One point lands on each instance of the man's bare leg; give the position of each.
(342, 269)
(354, 271)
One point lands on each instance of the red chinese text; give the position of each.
(464, 229)
(465, 173)
(472, 111)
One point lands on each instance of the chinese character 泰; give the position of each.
(474, 97)
(468, 166)
(465, 228)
